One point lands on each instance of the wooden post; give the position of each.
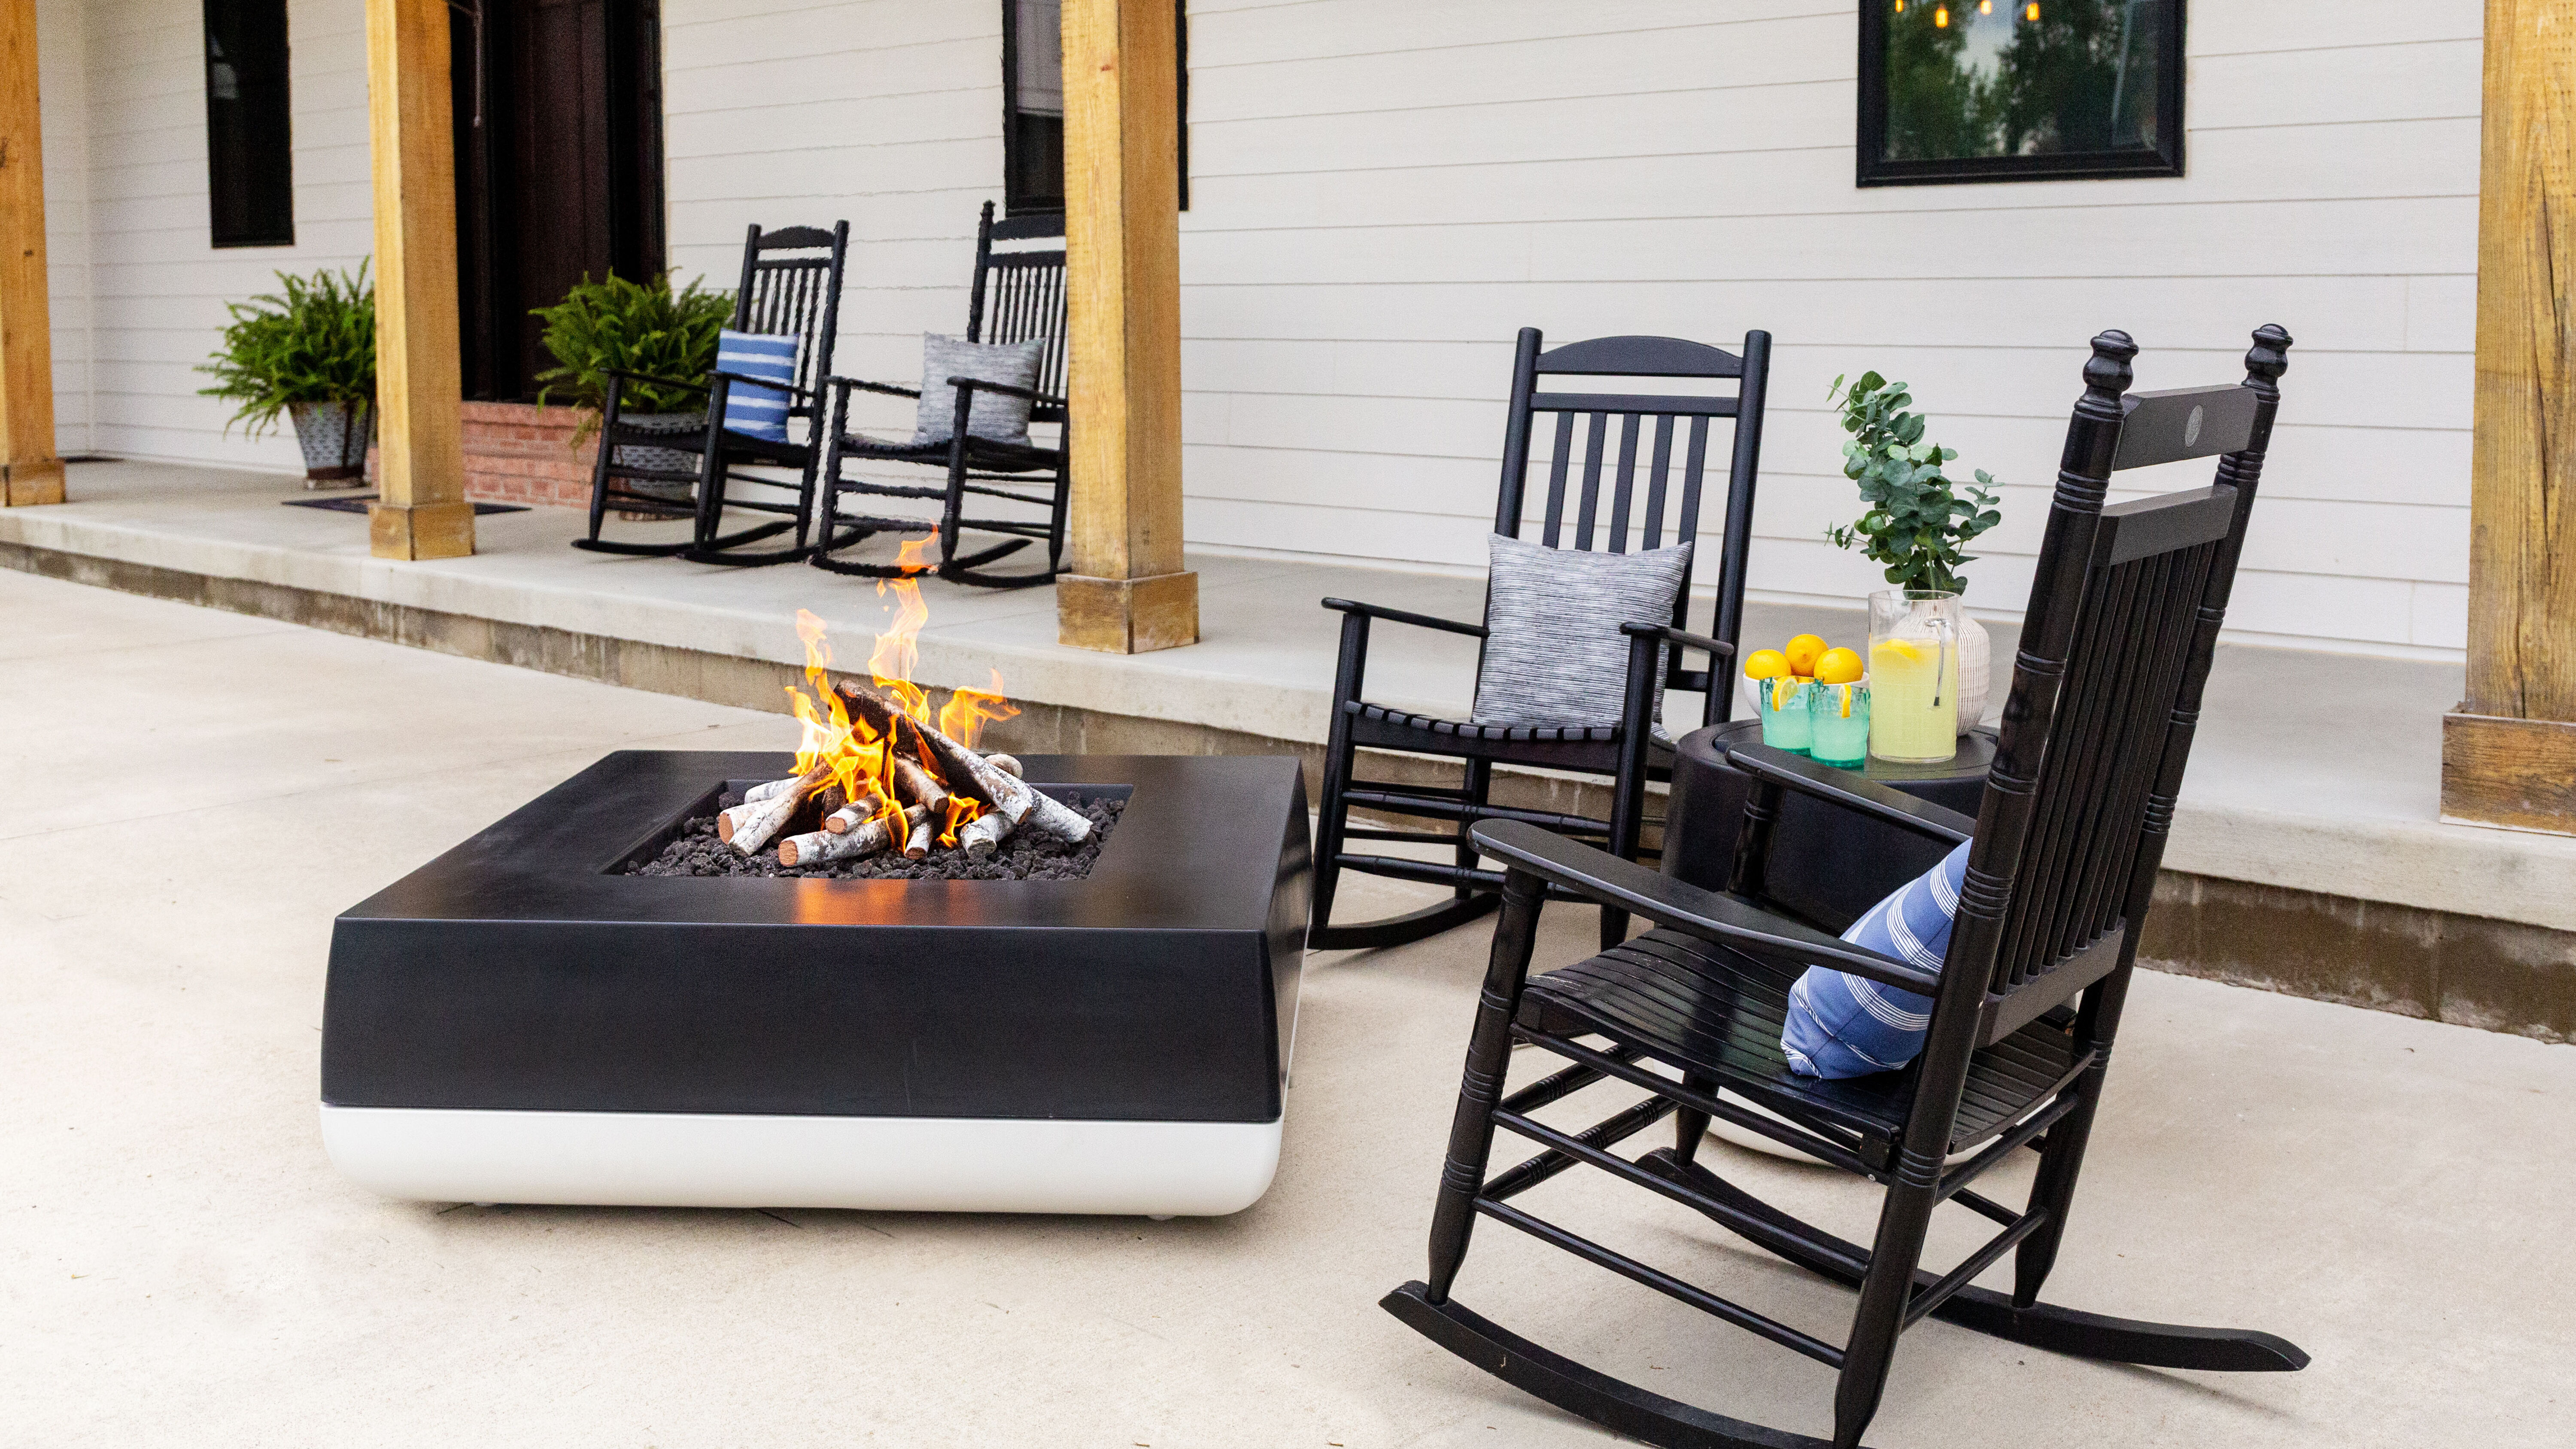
(2509, 751)
(29, 470)
(420, 385)
(1124, 590)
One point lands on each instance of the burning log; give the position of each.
(917, 844)
(983, 835)
(1006, 794)
(857, 813)
(823, 847)
(749, 825)
(919, 786)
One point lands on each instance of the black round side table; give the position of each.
(1707, 804)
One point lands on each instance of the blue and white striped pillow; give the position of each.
(757, 412)
(1841, 1025)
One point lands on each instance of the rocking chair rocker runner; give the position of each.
(1663, 444)
(2123, 618)
(791, 285)
(1018, 296)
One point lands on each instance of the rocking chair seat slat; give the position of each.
(1712, 1010)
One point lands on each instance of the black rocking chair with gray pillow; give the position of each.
(786, 316)
(1583, 629)
(979, 394)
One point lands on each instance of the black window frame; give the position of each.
(1013, 202)
(1872, 168)
(250, 139)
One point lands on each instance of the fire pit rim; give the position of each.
(554, 857)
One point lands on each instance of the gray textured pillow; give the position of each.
(997, 416)
(1554, 655)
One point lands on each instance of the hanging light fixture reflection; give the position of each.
(1985, 7)
(1941, 17)
(2031, 13)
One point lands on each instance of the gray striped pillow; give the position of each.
(1554, 655)
(996, 415)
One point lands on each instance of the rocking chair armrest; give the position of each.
(1678, 905)
(974, 384)
(786, 387)
(654, 378)
(1843, 788)
(1716, 649)
(1400, 616)
(863, 385)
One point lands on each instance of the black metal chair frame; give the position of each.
(1018, 296)
(2124, 616)
(1629, 752)
(791, 283)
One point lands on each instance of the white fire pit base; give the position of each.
(892, 1164)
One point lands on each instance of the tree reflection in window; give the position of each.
(2046, 87)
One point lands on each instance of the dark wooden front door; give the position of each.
(561, 179)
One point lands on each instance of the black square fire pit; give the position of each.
(520, 1021)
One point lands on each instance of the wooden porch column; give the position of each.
(29, 470)
(420, 387)
(2509, 751)
(1124, 589)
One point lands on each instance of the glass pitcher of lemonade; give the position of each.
(1914, 675)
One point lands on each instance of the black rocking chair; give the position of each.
(791, 283)
(1018, 296)
(2123, 618)
(1658, 434)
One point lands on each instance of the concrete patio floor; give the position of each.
(191, 795)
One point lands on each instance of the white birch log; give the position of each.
(1007, 764)
(855, 814)
(748, 826)
(917, 844)
(918, 786)
(983, 835)
(758, 793)
(823, 847)
(1006, 794)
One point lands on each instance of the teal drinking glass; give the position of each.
(1785, 714)
(1837, 724)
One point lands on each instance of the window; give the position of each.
(250, 167)
(1033, 104)
(2019, 90)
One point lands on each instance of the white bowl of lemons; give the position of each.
(1806, 658)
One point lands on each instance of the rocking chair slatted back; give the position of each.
(791, 284)
(1020, 295)
(2106, 690)
(1666, 429)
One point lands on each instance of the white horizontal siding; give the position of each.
(152, 286)
(1381, 194)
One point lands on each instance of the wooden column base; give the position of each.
(1127, 616)
(420, 530)
(22, 484)
(2515, 772)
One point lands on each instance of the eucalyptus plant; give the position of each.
(635, 327)
(1917, 518)
(312, 342)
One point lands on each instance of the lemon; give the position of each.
(1839, 666)
(1803, 653)
(1766, 664)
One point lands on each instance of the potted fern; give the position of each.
(617, 325)
(1917, 518)
(307, 351)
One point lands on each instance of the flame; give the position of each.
(857, 754)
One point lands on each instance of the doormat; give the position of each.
(357, 503)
